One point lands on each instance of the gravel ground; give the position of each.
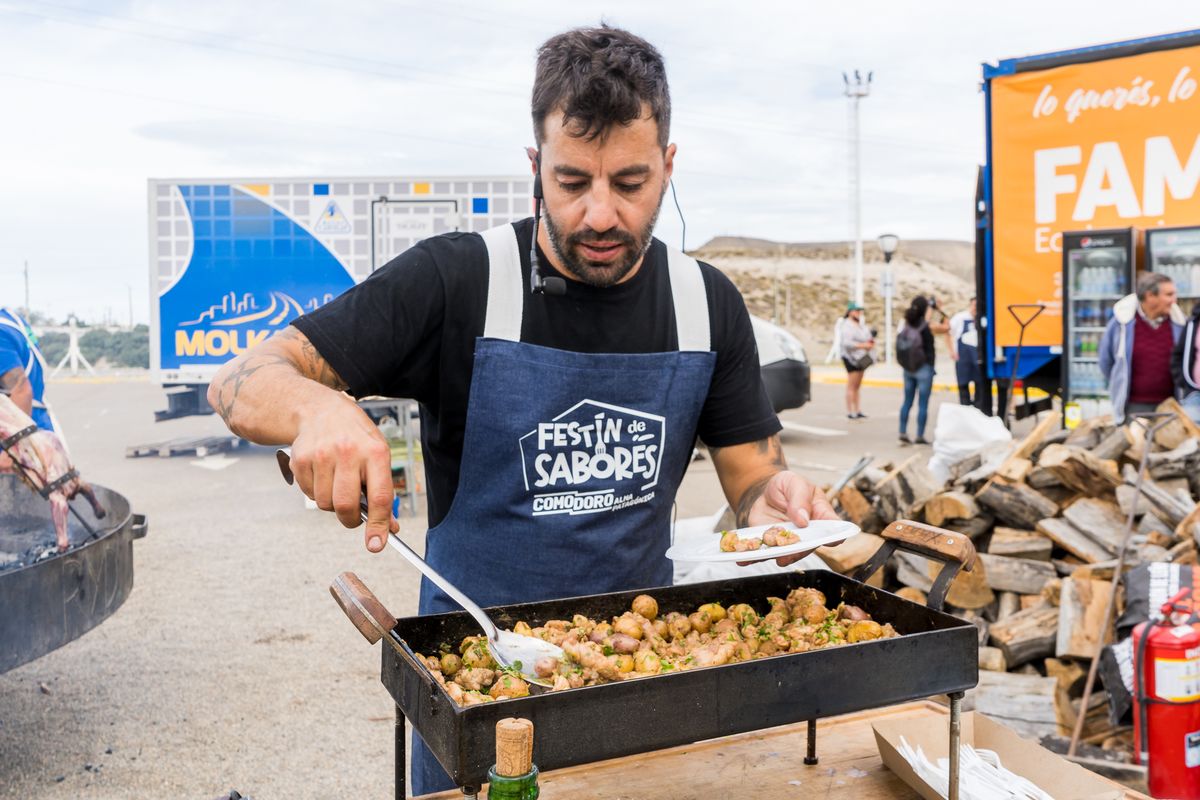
(230, 666)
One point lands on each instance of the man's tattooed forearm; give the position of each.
(231, 387)
(312, 365)
(774, 448)
(747, 500)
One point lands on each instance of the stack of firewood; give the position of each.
(1048, 515)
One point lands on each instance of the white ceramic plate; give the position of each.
(820, 532)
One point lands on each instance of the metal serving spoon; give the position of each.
(511, 650)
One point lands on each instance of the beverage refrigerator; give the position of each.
(1175, 252)
(1099, 268)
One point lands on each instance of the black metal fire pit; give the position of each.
(48, 598)
(936, 653)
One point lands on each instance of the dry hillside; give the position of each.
(805, 286)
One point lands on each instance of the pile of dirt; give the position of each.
(805, 286)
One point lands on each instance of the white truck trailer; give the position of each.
(234, 260)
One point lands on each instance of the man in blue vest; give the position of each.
(564, 364)
(964, 349)
(22, 368)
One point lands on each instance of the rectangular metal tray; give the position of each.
(936, 653)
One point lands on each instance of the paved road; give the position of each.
(230, 666)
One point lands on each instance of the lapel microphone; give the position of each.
(553, 286)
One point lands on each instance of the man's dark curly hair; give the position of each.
(600, 77)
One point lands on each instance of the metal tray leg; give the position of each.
(401, 785)
(811, 757)
(955, 735)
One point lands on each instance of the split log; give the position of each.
(893, 496)
(1020, 575)
(1080, 470)
(1129, 499)
(1090, 432)
(912, 595)
(1045, 427)
(1024, 703)
(869, 478)
(1099, 520)
(855, 507)
(1007, 604)
(1167, 505)
(1020, 544)
(950, 505)
(972, 528)
(992, 659)
(1015, 470)
(968, 589)
(1152, 524)
(1189, 528)
(1081, 624)
(852, 553)
(1043, 478)
(1026, 635)
(1183, 553)
(1174, 463)
(1052, 592)
(1178, 430)
(910, 571)
(1031, 600)
(1017, 504)
(1073, 540)
(1114, 445)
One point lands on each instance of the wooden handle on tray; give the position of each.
(362, 607)
(932, 542)
(514, 747)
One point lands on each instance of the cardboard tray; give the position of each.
(1052, 773)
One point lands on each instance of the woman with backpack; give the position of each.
(856, 343)
(914, 352)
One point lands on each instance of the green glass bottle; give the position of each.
(514, 776)
(522, 787)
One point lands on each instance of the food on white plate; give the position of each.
(776, 536)
(633, 645)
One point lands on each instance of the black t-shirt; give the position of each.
(409, 330)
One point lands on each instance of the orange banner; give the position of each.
(1109, 144)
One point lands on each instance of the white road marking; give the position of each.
(812, 429)
(214, 462)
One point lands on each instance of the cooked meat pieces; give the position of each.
(732, 543)
(779, 537)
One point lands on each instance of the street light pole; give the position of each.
(856, 90)
(888, 243)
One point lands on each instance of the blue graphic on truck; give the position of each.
(252, 271)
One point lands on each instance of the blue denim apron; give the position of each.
(570, 460)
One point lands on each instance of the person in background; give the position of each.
(1135, 353)
(22, 368)
(856, 343)
(1185, 366)
(964, 349)
(915, 353)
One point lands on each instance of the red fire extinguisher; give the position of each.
(1166, 714)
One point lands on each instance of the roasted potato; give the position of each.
(715, 611)
(700, 621)
(450, 664)
(647, 661)
(628, 626)
(645, 605)
(508, 685)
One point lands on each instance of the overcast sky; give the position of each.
(97, 97)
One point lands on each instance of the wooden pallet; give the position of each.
(200, 446)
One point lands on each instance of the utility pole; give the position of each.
(855, 90)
